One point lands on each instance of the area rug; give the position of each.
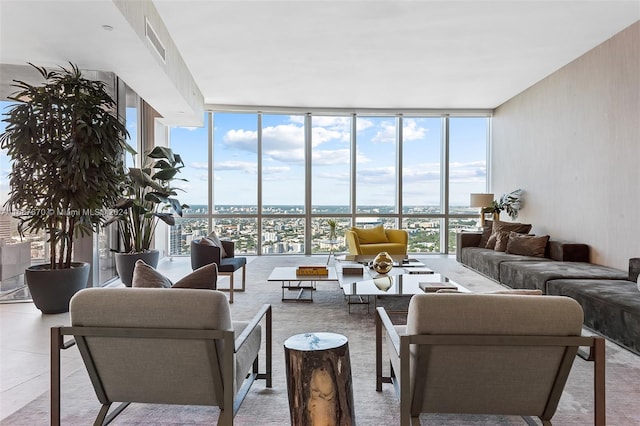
(328, 312)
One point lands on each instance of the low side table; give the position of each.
(319, 379)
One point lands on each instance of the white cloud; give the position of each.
(411, 131)
(322, 157)
(386, 133)
(243, 166)
(198, 165)
(270, 170)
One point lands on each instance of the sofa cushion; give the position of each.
(487, 261)
(373, 235)
(527, 245)
(534, 275)
(611, 307)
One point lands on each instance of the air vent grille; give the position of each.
(155, 41)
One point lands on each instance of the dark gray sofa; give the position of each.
(609, 297)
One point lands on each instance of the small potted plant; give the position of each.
(148, 197)
(68, 149)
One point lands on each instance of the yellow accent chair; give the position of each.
(371, 241)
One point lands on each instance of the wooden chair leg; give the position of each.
(244, 276)
(231, 287)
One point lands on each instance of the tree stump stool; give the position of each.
(319, 380)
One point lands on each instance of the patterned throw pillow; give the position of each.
(146, 276)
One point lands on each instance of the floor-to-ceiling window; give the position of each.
(273, 181)
(422, 188)
(330, 171)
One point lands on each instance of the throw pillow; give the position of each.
(371, 235)
(205, 277)
(499, 226)
(502, 240)
(146, 276)
(494, 238)
(214, 237)
(527, 245)
(486, 233)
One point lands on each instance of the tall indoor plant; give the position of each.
(68, 148)
(148, 197)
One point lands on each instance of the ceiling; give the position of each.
(349, 55)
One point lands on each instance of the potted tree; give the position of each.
(68, 148)
(148, 198)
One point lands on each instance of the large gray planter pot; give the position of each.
(52, 289)
(125, 262)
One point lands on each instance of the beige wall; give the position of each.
(572, 143)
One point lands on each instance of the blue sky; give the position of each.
(235, 159)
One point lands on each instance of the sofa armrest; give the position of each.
(568, 252)
(352, 242)
(398, 236)
(466, 239)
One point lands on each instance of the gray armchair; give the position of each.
(486, 354)
(204, 254)
(134, 343)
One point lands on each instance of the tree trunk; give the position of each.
(319, 380)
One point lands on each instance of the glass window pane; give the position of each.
(424, 234)
(235, 163)
(132, 140)
(283, 235)
(330, 163)
(283, 162)
(192, 144)
(467, 161)
(242, 231)
(376, 164)
(320, 241)
(421, 165)
(183, 232)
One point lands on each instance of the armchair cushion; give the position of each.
(373, 235)
(216, 242)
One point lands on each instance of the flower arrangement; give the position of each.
(510, 203)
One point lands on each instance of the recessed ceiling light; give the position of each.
(107, 27)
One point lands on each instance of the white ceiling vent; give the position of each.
(155, 41)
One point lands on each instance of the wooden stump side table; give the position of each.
(319, 380)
